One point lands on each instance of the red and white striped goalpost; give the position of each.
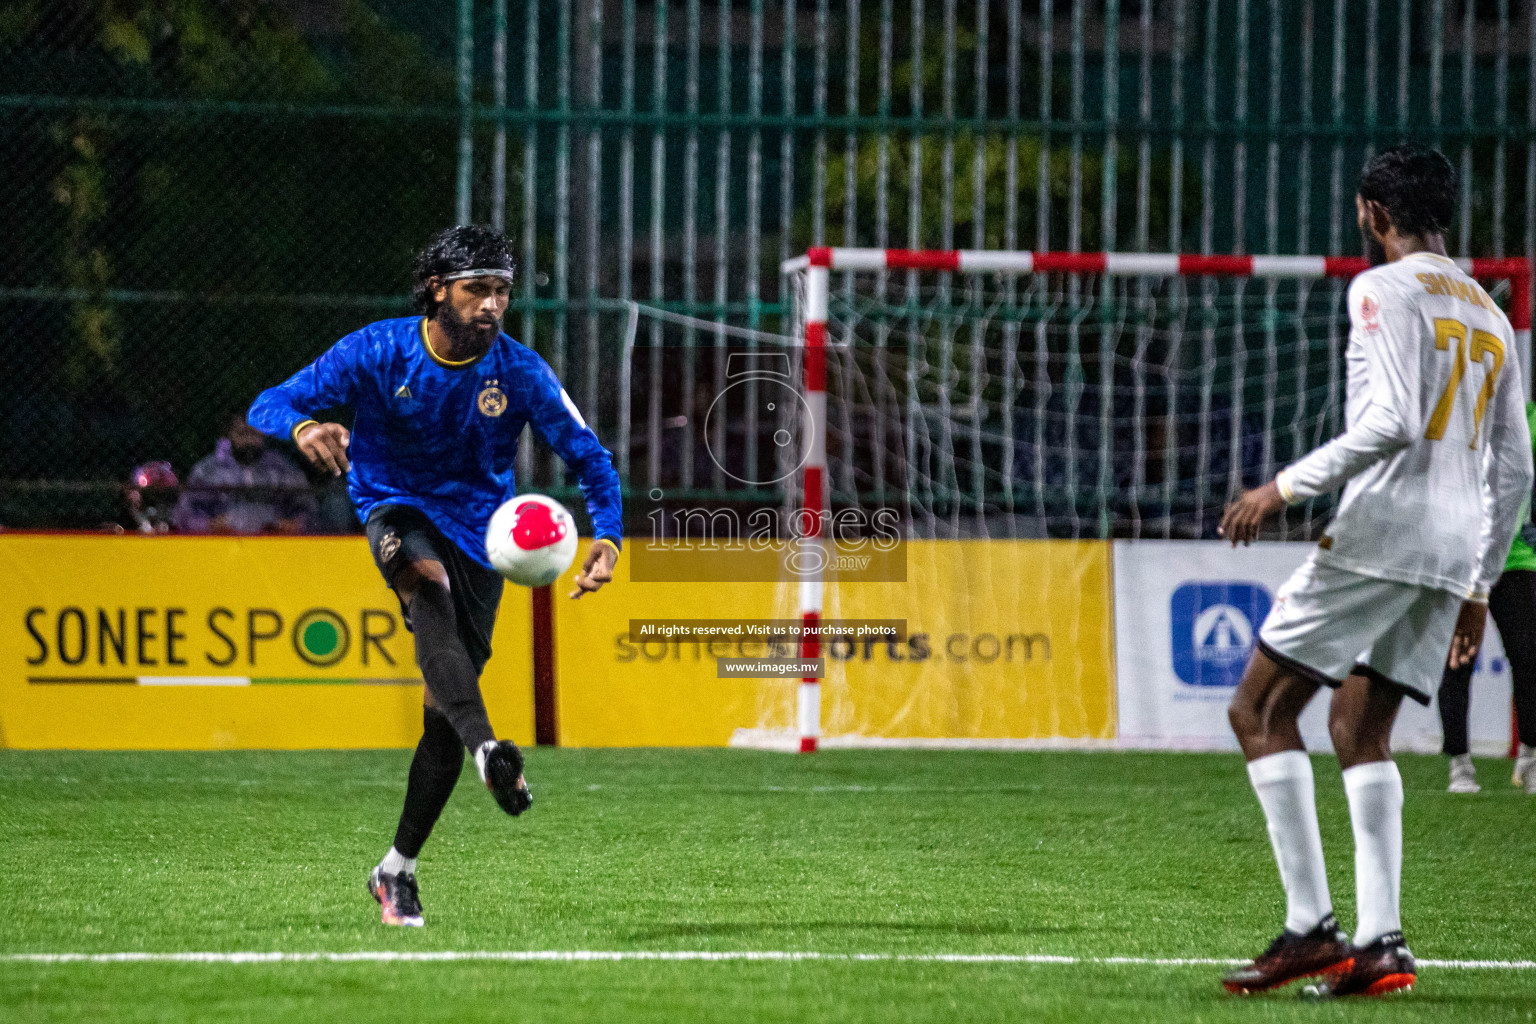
(818, 263)
(813, 498)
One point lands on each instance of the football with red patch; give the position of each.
(531, 540)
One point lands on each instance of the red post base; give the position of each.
(807, 744)
(1514, 730)
(546, 725)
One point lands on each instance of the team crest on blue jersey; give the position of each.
(492, 400)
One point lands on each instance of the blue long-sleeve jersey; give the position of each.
(442, 436)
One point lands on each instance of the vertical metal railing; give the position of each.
(1244, 119)
(466, 81)
(1239, 86)
(592, 212)
(499, 107)
(556, 353)
(722, 224)
(675, 151)
(530, 186)
(659, 59)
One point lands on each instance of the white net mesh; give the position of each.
(1076, 405)
(1001, 418)
(990, 411)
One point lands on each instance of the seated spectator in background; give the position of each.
(148, 500)
(244, 487)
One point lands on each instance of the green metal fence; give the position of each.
(203, 195)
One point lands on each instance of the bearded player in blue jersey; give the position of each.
(439, 401)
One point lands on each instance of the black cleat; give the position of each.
(1323, 950)
(397, 895)
(504, 778)
(1384, 966)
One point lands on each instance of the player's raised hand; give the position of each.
(1246, 515)
(1468, 638)
(325, 444)
(597, 569)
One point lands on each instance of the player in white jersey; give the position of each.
(1434, 463)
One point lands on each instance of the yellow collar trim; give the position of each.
(426, 343)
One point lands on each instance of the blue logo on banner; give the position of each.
(1215, 626)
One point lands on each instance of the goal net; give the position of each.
(1006, 410)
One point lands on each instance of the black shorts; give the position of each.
(399, 535)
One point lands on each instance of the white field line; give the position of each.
(590, 955)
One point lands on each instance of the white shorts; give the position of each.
(1331, 623)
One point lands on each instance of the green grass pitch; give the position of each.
(896, 852)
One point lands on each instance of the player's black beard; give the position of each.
(468, 337)
(1375, 252)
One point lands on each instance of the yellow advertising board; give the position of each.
(199, 643)
(616, 693)
(1004, 640)
(210, 643)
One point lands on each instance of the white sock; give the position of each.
(395, 863)
(1375, 792)
(1283, 783)
(480, 755)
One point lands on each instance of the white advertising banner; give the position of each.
(1187, 614)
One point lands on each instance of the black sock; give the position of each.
(1455, 695)
(434, 771)
(446, 666)
(1513, 607)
